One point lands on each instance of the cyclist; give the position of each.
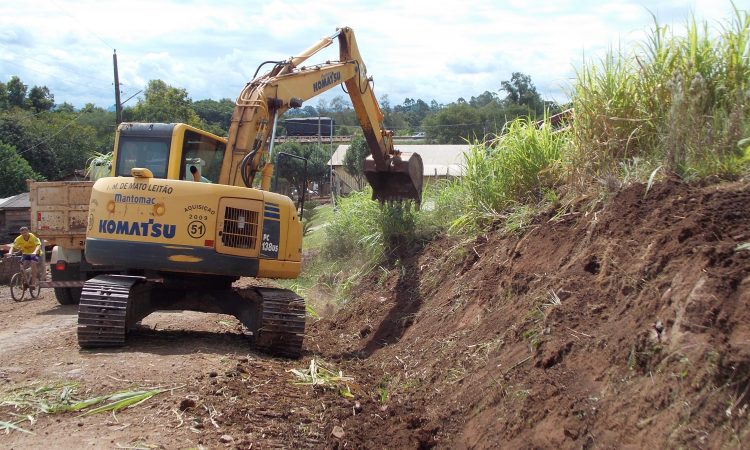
(31, 247)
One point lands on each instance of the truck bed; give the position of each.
(59, 211)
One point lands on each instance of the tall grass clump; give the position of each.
(442, 203)
(360, 236)
(676, 101)
(516, 168)
(368, 230)
(350, 229)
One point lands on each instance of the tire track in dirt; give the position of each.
(23, 324)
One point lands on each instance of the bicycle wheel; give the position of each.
(35, 290)
(17, 289)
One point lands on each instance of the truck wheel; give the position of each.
(68, 296)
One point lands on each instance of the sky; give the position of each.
(418, 49)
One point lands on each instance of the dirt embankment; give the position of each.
(625, 327)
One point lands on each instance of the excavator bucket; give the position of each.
(401, 181)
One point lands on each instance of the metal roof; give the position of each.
(19, 201)
(438, 160)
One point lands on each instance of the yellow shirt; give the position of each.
(27, 247)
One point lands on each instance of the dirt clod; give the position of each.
(338, 432)
(187, 403)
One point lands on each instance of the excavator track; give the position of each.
(104, 310)
(282, 323)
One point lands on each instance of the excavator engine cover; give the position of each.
(401, 181)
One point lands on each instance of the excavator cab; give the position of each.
(172, 151)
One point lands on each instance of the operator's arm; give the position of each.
(38, 245)
(15, 247)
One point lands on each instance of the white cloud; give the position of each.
(438, 50)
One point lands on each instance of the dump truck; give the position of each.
(59, 214)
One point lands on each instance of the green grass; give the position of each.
(319, 217)
(517, 168)
(678, 100)
(676, 104)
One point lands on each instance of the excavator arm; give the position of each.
(393, 175)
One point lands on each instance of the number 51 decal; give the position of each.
(196, 229)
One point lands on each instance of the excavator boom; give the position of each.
(393, 175)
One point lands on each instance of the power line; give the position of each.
(88, 30)
(46, 64)
(50, 137)
(50, 74)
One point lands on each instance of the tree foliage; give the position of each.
(354, 160)
(521, 91)
(53, 144)
(454, 124)
(215, 115)
(54, 140)
(41, 99)
(163, 103)
(16, 92)
(14, 171)
(293, 169)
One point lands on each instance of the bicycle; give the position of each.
(20, 282)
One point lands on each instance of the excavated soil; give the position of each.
(627, 326)
(549, 339)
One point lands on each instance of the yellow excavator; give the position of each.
(179, 219)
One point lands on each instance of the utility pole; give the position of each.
(330, 160)
(118, 105)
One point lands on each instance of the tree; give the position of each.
(483, 99)
(216, 115)
(3, 97)
(41, 99)
(13, 131)
(454, 124)
(65, 107)
(54, 144)
(521, 91)
(413, 112)
(293, 170)
(70, 142)
(103, 124)
(16, 92)
(354, 160)
(164, 103)
(14, 171)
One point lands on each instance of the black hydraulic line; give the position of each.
(263, 64)
(243, 171)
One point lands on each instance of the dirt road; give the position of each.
(204, 357)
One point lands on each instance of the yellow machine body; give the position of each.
(159, 221)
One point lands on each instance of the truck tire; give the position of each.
(68, 296)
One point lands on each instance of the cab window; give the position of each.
(151, 154)
(202, 157)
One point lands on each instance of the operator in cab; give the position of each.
(31, 248)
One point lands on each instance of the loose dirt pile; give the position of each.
(624, 327)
